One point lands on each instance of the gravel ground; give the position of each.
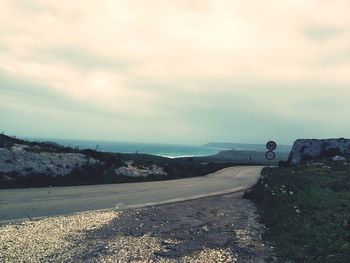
(50, 239)
(214, 229)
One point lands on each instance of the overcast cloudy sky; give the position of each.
(175, 71)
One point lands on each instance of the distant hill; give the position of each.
(245, 147)
(252, 156)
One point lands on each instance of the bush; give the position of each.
(283, 164)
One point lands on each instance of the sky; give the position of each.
(175, 71)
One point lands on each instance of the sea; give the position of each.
(165, 150)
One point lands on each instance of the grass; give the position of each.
(306, 211)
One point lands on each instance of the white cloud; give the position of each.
(140, 57)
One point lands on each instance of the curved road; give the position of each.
(41, 202)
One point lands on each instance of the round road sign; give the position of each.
(270, 155)
(271, 145)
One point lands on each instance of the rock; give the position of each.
(312, 150)
(167, 254)
(23, 162)
(133, 171)
(339, 158)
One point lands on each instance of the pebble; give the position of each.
(225, 231)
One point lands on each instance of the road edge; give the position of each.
(125, 208)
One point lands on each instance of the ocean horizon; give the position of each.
(159, 149)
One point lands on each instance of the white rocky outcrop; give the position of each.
(24, 162)
(312, 150)
(339, 158)
(133, 171)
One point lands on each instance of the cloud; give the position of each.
(319, 33)
(23, 94)
(79, 58)
(188, 66)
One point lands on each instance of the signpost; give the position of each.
(271, 145)
(270, 154)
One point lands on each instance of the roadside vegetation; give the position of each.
(101, 174)
(306, 211)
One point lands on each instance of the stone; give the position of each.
(315, 151)
(23, 162)
(132, 171)
(339, 158)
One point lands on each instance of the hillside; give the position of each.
(305, 203)
(251, 156)
(306, 211)
(38, 164)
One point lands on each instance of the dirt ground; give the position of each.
(214, 229)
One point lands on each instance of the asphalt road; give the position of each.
(41, 202)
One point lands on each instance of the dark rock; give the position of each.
(311, 150)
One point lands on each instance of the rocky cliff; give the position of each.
(22, 161)
(312, 150)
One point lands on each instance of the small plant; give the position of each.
(307, 212)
